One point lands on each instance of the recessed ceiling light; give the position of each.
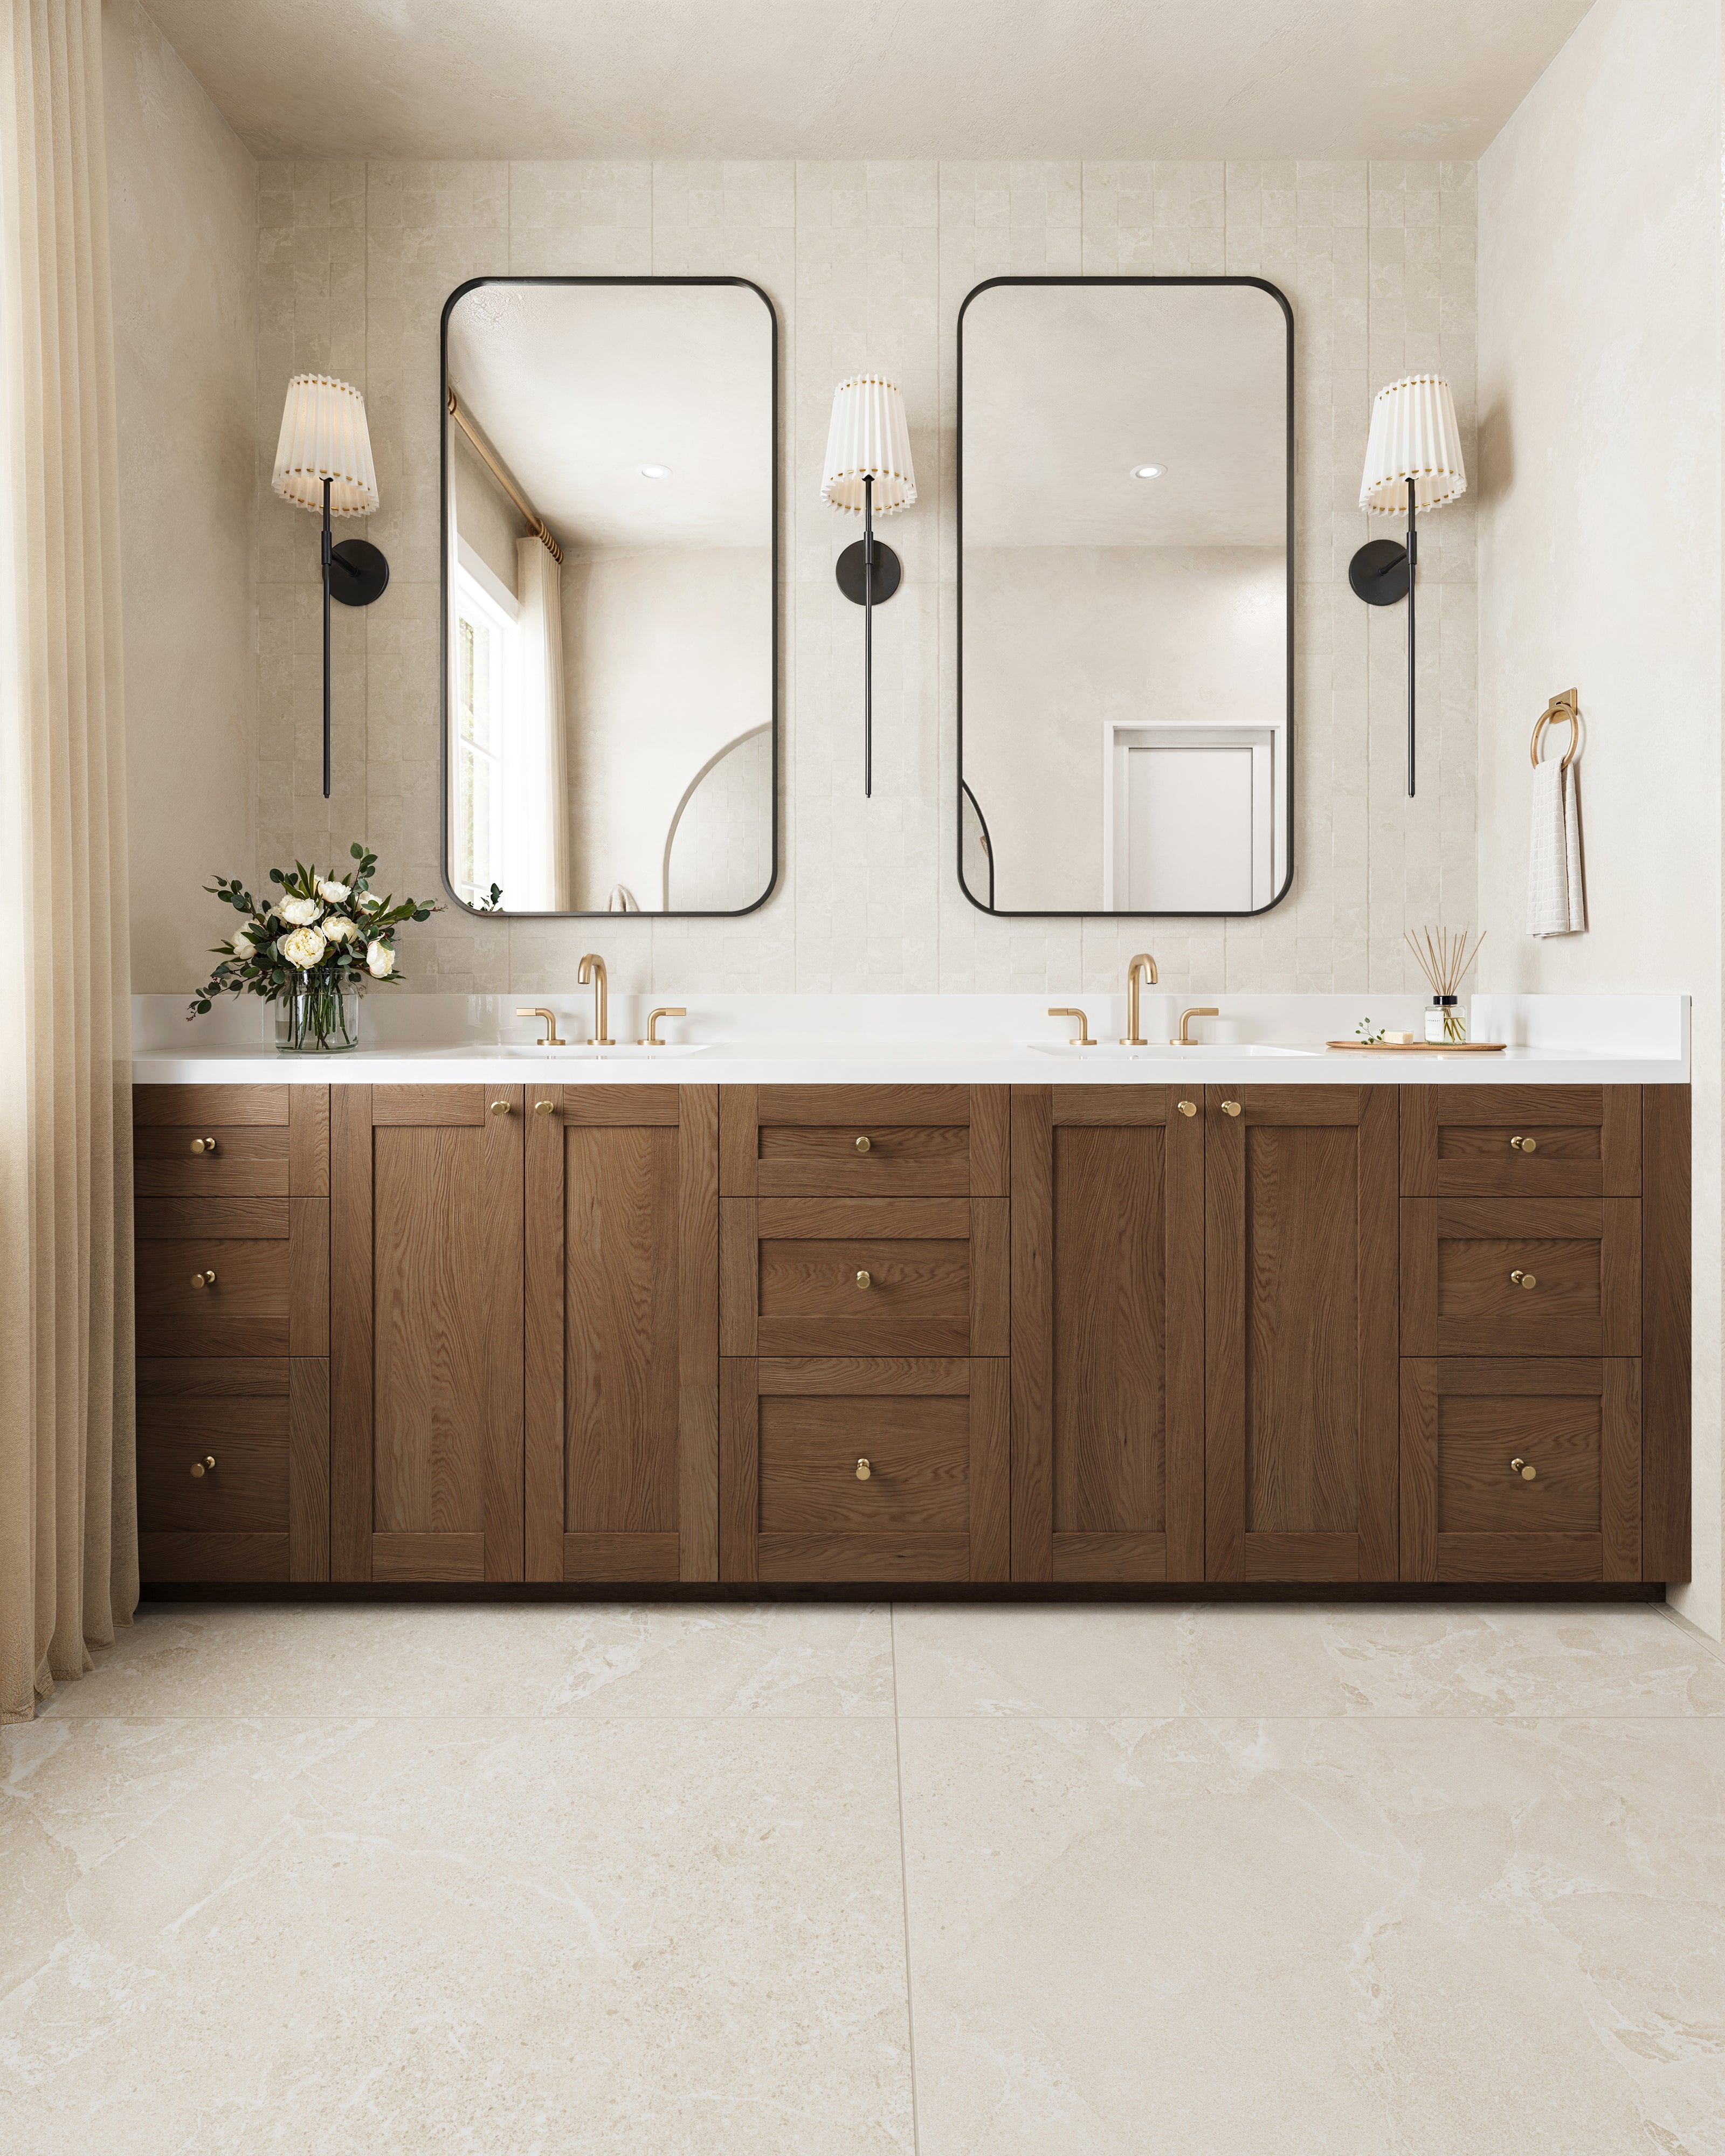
(1148, 471)
(656, 471)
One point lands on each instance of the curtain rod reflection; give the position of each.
(503, 480)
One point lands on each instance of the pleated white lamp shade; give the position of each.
(869, 437)
(324, 435)
(1414, 436)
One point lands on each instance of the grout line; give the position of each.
(1692, 1631)
(904, 1876)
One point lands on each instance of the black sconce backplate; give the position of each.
(849, 570)
(363, 573)
(1378, 572)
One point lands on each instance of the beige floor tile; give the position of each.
(608, 1659)
(526, 1936)
(1231, 1939)
(1243, 1658)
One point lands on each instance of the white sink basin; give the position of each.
(1113, 1051)
(586, 1051)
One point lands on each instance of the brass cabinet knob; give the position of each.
(204, 1280)
(863, 1471)
(545, 1107)
(864, 1280)
(1230, 1107)
(863, 1146)
(500, 1107)
(204, 1145)
(1524, 1145)
(200, 1468)
(1187, 1107)
(1527, 1473)
(1525, 1280)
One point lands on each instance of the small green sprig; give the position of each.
(323, 929)
(1365, 1033)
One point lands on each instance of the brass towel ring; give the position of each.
(1556, 712)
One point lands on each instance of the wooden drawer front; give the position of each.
(1459, 1295)
(933, 1505)
(195, 1108)
(247, 1490)
(233, 1219)
(1468, 1512)
(917, 1302)
(249, 1161)
(244, 1313)
(1521, 1140)
(903, 1161)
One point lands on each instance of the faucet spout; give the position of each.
(1139, 968)
(592, 969)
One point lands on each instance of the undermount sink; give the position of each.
(1114, 1051)
(621, 1051)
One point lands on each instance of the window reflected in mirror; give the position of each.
(610, 728)
(1125, 593)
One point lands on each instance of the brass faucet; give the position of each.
(592, 968)
(1142, 966)
(553, 1040)
(1063, 1010)
(666, 1010)
(1204, 1010)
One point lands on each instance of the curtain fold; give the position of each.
(68, 1511)
(536, 795)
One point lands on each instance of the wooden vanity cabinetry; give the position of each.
(892, 1336)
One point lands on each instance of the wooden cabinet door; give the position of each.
(1300, 1322)
(426, 1332)
(623, 1333)
(1107, 1333)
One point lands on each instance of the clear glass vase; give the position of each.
(320, 1017)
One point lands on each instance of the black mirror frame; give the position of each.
(1007, 913)
(775, 616)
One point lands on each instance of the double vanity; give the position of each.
(933, 1299)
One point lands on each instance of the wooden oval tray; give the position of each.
(1419, 1047)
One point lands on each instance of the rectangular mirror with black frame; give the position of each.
(1126, 554)
(610, 723)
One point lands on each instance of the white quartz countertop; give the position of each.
(1610, 1041)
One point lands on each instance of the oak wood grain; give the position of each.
(990, 1276)
(738, 1141)
(624, 1559)
(443, 1554)
(880, 1333)
(808, 1219)
(1665, 1333)
(1302, 1554)
(905, 1557)
(990, 1468)
(1121, 1105)
(698, 1332)
(886, 1375)
(739, 1275)
(739, 1469)
(990, 1140)
(917, 1447)
(1532, 1559)
(192, 1108)
(435, 1107)
(250, 1161)
(1457, 1297)
(545, 1418)
(904, 1160)
(166, 1558)
(634, 1106)
(1095, 1557)
(861, 1107)
(1620, 1469)
(308, 1518)
(230, 1220)
(246, 1491)
(309, 1277)
(309, 1141)
(176, 1378)
(1032, 1333)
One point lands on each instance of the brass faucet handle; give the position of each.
(1198, 1010)
(1062, 1010)
(551, 1038)
(666, 1010)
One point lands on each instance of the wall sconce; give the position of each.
(868, 468)
(323, 460)
(1413, 459)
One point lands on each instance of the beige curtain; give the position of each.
(536, 794)
(68, 1514)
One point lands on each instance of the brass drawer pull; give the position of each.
(1521, 1467)
(207, 1465)
(204, 1280)
(500, 1107)
(1524, 1145)
(864, 1280)
(204, 1145)
(863, 1146)
(863, 1471)
(1187, 1107)
(1525, 1280)
(1230, 1107)
(545, 1107)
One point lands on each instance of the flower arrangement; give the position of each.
(312, 950)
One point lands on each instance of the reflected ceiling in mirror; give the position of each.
(1125, 556)
(610, 723)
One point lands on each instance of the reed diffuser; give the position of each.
(1443, 956)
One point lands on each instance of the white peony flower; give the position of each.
(370, 900)
(305, 948)
(380, 960)
(336, 893)
(301, 912)
(339, 928)
(242, 947)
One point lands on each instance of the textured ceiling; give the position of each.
(1094, 79)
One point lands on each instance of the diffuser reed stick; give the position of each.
(1444, 955)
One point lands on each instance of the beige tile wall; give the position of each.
(868, 264)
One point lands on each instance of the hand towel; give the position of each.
(1556, 904)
